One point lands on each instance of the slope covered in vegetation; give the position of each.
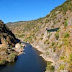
(7, 44)
(51, 35)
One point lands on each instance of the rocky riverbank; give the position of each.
(56, 49)
(10, 46)
(43, 54)
(19, 47)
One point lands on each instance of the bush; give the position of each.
(49, 63)
(12, 57)
(71, 57)
(53, 43)
(62, 57)
(66, 23)
(41, 38)
(66, 41)
(62, 67)
(66, 35)
(3, 61)
(46, 21)
(46, 42)
(57, 35)
(50, 67)
(60, 45)
(21, 36)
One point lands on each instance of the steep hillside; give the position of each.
(50, 35)
(55, 19)
(24, 28)
(8, 42)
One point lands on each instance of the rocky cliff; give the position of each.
(8, 42)
(52, 35)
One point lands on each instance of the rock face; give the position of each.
(19, 48)
(7, 42)
(6, 34)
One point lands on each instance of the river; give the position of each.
(29, 61)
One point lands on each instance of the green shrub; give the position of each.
(50, 67)
(62, 57)
(66, 41)
(53, 43)
(49, 63)
(57, 35)
(60, 45)
(62, 67)
(12, 57)
(3, 61)
(46, 42)
(66, 23)
(54, 47)
(66, 35)
(41, 38)
(47, 53)
(71, 57)
(46, 21)
(21, 36)
(42, 34)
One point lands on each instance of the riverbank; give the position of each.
(19, 48)
(29, 61)
(42, 52)
(8, 55)
(50, 61)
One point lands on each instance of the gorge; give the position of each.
(29, 61)
(51, 35)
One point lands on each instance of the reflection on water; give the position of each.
(30, 61)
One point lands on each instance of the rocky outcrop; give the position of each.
(10, 46)
(56, 48)
(19, 47)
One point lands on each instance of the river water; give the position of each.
(29, 61)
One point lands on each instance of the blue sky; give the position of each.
(24, 10)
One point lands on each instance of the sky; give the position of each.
(25, 10)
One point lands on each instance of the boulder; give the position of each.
(18, 48)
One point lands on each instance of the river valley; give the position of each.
(29, 61)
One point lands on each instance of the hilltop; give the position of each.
(51, 35)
